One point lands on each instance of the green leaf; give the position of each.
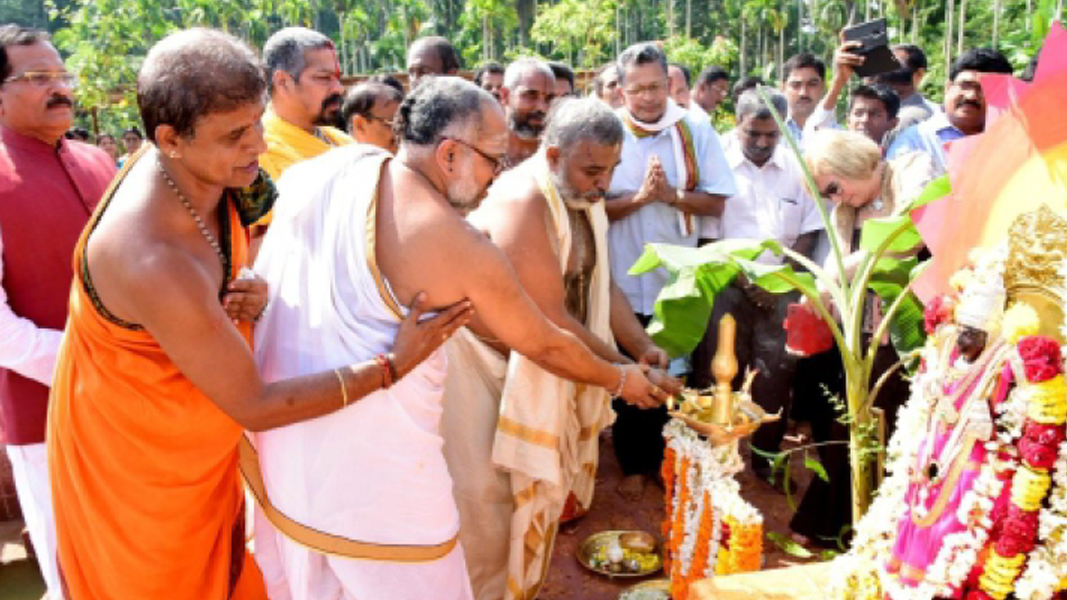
(935, 190)
(697, 275)
(816, 467)
(877, 231)
(788, 546)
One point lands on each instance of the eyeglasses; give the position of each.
(387, 122)
(497, 162)
(46, 78)
(832, 189)
(654, 89)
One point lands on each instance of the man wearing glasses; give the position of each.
(368, 113)
(672, 174)
(360, 235)
(48, 188)
(306, 97)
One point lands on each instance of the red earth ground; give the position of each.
(568, 580)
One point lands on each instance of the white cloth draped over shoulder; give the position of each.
(520, 439)
(374, 471)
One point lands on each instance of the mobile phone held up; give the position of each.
(875, 47)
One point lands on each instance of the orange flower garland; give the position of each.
(678, 519)
(703, 545)
(667, 473)
(745, 548)
(709, 528)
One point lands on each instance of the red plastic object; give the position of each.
(806, 332)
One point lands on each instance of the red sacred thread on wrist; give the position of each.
(387, 372)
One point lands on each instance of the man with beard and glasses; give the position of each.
(529, 87)
(306, 97)
(358, 235)
(547, 215)
(672, 175)
(803, 83)
(770, 204)
(965, 107)
(48, 188)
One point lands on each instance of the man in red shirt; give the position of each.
(48, 188)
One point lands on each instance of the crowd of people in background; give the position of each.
(549, 327)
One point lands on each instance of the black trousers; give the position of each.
(825, 511)
(637, 434)
(760, 345)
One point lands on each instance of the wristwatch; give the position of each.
(679, 195)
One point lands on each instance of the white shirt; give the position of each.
(821, 118)
(770, 202)
(25, 348)
(657, 222)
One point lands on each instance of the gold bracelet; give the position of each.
(344, 389)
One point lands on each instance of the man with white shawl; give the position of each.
(359, 504)
(519, 440)
(672, 174)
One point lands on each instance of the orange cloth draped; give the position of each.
(143, 465)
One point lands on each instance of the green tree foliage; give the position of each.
(583, 31)
(105, 40)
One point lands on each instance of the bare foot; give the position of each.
(631, 487)
(803, 540)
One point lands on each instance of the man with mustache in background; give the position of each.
(803, 83)
(306, 96)
(529, 87)
(48, 188)
(965, 107)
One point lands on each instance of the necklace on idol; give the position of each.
(192, 211)
(932, 469)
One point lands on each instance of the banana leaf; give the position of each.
(935, 190)
(889, 279)
(876, 231)
(696, 276)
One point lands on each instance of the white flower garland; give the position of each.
(876, 532)
(712, 470)
(1046, 565)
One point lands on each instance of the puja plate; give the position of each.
(588, 550)
(653, 589)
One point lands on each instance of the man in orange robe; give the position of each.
(154, 381)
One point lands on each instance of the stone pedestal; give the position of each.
(804, 582)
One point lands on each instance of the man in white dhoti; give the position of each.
(519, 440)
(359, 504)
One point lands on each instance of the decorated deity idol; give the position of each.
(974, 505)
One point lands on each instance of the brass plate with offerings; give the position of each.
(621, 553)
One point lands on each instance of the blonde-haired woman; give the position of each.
(850, 172)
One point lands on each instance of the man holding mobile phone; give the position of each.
(965, 107)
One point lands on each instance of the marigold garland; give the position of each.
(667, 473)
(1019, 548)
(708, 527)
